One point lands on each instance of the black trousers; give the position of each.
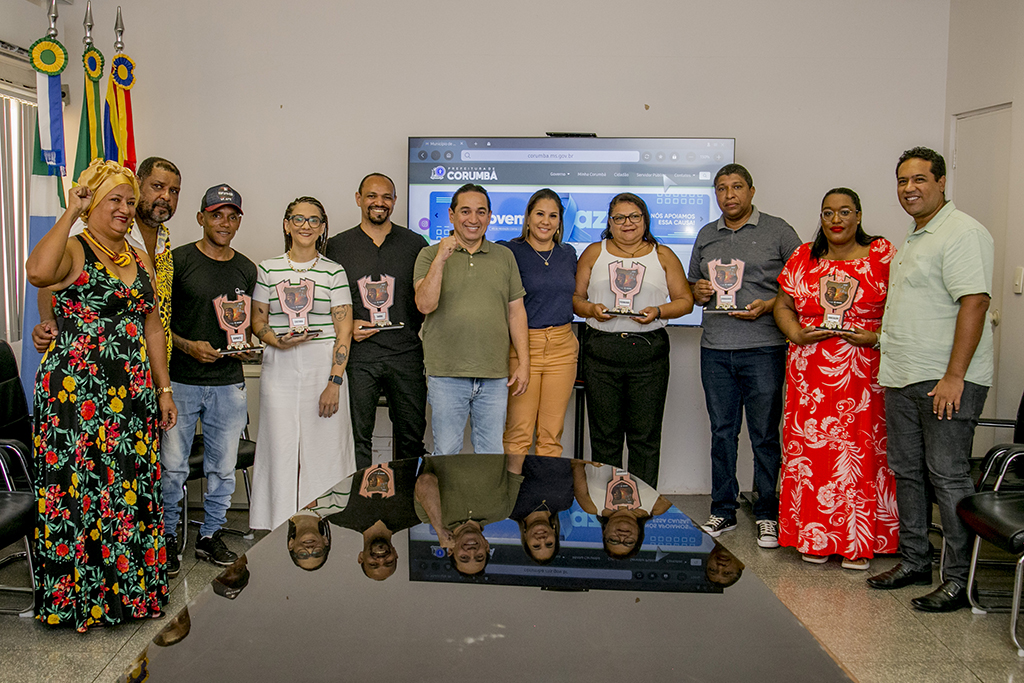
(626, 380)
(402, 381)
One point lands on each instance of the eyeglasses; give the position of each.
(314, 221)
(619, 219)
(304, 554)
(829, 214)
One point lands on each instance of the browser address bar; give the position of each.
(540, 155)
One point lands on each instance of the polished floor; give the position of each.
(875, 635)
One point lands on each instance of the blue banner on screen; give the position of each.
(675, 217)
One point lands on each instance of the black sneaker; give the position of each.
(212, 549)
(716, 525)
(173, 563)
(768, 533)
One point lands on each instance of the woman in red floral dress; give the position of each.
(99, 534)
(838, 494)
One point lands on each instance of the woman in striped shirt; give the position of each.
(304, 445)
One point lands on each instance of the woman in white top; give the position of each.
(304, 445)
(626, 357)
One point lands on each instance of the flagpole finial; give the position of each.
(87, 39)
(53, 19)
(119, 31)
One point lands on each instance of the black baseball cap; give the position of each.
(221, 195)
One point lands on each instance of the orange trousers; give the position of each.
(553, 353)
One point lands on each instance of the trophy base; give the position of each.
(235, 352)
(721, 310)
(629, 314)
(832, 329)
(298, 333)
(385, 326)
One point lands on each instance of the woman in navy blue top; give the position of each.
(548, 271)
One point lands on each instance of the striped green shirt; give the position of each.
(330, 289)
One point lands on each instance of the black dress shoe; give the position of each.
(949, 597)
(899, 576)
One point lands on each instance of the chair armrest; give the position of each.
(19, 453)
(995, 460)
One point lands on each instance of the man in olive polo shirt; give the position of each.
(471, 294)
(936, 368)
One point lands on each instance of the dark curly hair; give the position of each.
(322, 240)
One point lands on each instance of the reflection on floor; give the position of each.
(876, 635)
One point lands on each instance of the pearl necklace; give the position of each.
(302, 270)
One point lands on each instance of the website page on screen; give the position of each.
(673, 176)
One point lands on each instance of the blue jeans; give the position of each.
(746, 381)
(453, 399)
(920, 445)
(223, 412)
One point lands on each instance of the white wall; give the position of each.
(986, 68)
(305, 97)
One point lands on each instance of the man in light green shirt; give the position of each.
(936, 367)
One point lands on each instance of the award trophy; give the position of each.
(726, 281)
(621, 492)
(233, 317)
(836, 293)
(296, 302)
(378, 295)
(378, 479)
(625, 284)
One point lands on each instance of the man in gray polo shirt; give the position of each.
(936, 368)
(742, 352)
(470, 291)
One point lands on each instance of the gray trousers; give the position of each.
(920, 445)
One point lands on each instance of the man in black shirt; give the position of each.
(378, 257)
(208, 387)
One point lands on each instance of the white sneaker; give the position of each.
(767, 533)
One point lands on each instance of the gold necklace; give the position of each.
(302, 270)
(542, 258)
(642, 246)
(120, 260)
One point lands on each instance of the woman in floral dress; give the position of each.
(99, 535)
(838, 494)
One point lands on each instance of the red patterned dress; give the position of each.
(838, 493)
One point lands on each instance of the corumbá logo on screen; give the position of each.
(466, 175)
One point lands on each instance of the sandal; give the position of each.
(815, 559)
(861, 564)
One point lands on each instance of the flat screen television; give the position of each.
(673, 176)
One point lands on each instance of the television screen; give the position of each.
(673, 176)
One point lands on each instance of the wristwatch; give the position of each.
(337, 379)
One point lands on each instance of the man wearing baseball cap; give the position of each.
(208, 387)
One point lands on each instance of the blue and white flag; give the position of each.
(45, 192)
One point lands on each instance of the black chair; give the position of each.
(17, 517)
(246, 458)
(982, 470)
(996, 515)
(15, 420)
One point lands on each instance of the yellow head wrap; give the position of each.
(103, 176)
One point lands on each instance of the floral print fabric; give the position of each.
(99, 531)
(838, 493)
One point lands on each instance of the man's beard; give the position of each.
(148, 214)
